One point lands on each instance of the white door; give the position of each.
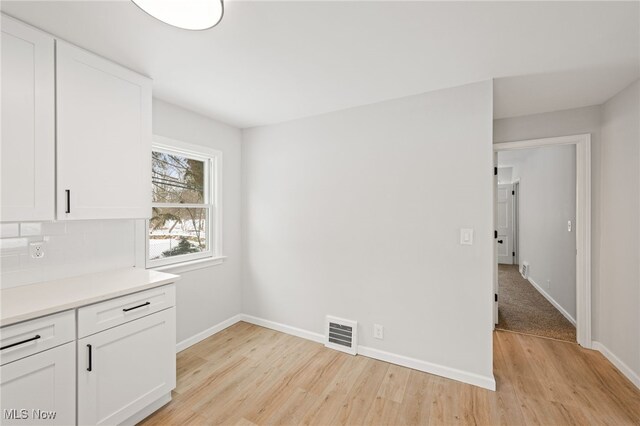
(495, 249)
(504, 213)
(103, 138)
(40, 389)
(123, 369)
(28, 123)
(516, 221)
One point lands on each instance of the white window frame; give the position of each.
(213, 194)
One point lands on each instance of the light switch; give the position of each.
(466, 236)
(569, 226)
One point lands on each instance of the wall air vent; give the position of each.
(341, 335)
(524, 271)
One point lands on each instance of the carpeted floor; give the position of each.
(524, 310)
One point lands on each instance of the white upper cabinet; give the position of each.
(97, 165)
(28, 123)
(103, 138)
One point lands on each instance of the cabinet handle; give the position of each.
(68, 192)
(36, 337)
(136, 307)
(90, 358)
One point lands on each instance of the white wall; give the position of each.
(206, 297)
(619, 293)
(348, 214)
(547, 201)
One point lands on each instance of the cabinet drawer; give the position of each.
(104, 315)
(30, 337)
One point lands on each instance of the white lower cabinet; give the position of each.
(126, 368)
(118, 370)
(40, 389)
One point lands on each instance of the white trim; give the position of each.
(428, 367)
(207, 333)
(163, 142)
(583, 242)
(619, 364)
(294, 331)
(213, 191)
(583, 223)
(552, 301)
(179, 268)
(416, 364)
(536, 143)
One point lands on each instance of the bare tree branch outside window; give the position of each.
(176, 230)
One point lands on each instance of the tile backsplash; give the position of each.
(70, 248)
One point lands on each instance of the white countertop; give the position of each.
(35, 300)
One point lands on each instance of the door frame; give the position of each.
(583, 222)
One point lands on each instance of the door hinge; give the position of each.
(495, 299)
(495, 234)
(513, 192)
(513, 253)
(495, 171)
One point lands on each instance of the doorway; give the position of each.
(510, 263)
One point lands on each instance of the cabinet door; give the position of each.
(103, 138)
(28, 129)
(40, 389)
(126, 368)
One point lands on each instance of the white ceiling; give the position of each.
(269, 62)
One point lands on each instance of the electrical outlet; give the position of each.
(378, 331)
(35, 250)
(548, 283)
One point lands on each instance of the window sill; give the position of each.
(191, 265)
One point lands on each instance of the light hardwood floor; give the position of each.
(248, 375)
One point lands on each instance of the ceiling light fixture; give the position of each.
(185, 14)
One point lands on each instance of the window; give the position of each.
(185, 219)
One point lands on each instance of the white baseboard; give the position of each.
(553, 302)
(207, 333)
(620, 365)
(294, 331)
(416, 364)
(431, 368)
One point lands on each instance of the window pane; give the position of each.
(177, 179)
(177, 231)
